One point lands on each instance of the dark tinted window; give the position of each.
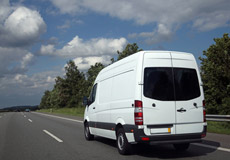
(158, 84)
(169, 84)
(186, 84)
(93, 94)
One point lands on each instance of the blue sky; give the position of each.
(37, 38)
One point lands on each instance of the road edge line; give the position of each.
(212, 147)
(59, 117)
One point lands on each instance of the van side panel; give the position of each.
(103, 106)
(123, 92)
(105, 88)
(123, 86)
(116, 91)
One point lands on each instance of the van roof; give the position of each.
(174, 55)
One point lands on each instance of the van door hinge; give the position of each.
(140, 83)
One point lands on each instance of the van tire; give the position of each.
(181, 146)
(123, 146)
(88, 135)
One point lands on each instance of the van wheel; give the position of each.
(181, 147)
(88, 135)
(123, 146)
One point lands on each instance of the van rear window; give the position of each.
(158, 84)
(169, 84)
(186, 84)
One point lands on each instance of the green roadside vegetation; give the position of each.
(219, 127)
(65, 111)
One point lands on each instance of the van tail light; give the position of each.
(138, 113)
(204, 111)
(203, 135)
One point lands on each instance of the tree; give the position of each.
(54, 99)
(92, 74)
(76, 84)
(68, 91)
(45, 101)
(215, 72)
(129, 50)
(62, 92)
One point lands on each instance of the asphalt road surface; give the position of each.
(35, 136)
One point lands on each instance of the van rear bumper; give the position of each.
(140, 137)
(169, 139)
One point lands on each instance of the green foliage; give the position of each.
(75, 85)
(129, 50)
(45, 100)
(92, 75)
(219, 127)
(67, 91)
(215, 72)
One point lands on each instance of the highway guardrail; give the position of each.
(220, 118)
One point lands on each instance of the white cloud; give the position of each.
(212, 21)
(64, 26)
(47, 49)
(20, 27)
(87, 53)
(161, 33)
(21, 89)
(4, 10)
(77, 47)
(84, 63)
(93, 47)
(30, 85)
(70, 6)
(50, 79)
(14, 61)
(26, 60)
(166, 15)
(68, 23)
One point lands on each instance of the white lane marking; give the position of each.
(212, 147)
(60, 117)
(24, 116)
(53, 136)
(30, 120)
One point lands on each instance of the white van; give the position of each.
(153, 97)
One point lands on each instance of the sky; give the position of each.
(38, 38)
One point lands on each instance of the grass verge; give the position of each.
(66, 111)
(219, 127)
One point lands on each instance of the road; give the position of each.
(35, 136)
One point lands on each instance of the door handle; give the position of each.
(181, 110)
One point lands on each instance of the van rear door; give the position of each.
(188, 94)
(158, 98)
